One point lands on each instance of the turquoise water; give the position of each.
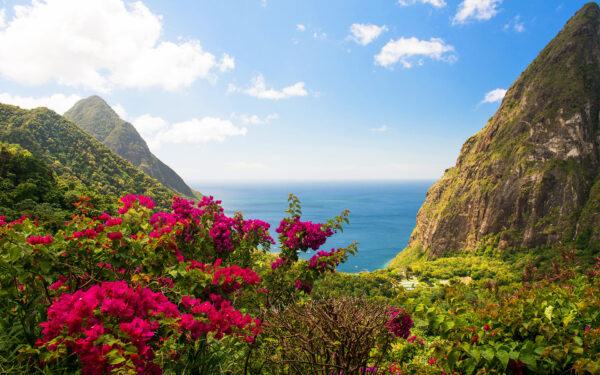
(382, 214)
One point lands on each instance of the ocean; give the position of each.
(382, 216)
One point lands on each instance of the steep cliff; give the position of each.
(530, 177)
(97, 118)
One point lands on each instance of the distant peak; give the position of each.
(93, 106)
(94, 99)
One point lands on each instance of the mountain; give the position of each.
(75, 156)
(96, 117)
(531, 176)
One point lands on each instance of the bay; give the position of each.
(382, 216)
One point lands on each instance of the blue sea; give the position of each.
(382, 216)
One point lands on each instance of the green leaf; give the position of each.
(529, 359)
(503, 357)
(548, 312)
(116, 360)
(488, 354)
(453, 358)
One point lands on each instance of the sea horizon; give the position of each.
(382, 213)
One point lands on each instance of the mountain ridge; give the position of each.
(531, 176)
(97, 118)
(76, 156)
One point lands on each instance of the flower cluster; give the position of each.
(217, 317)
(225, 232)
(303, 235)
(324, 261)
(80, 320)
(303, 286)
(39, 240)
(279, 262)
(228, 279)
(88, 232)
(113, 318)
(127, 202)
(400, 322)
(256, 227)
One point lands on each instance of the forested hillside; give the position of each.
(74, 155)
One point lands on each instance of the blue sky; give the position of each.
(259, 90)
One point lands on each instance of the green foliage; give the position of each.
(75, 156)
(29, 187)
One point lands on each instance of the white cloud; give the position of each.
(59, 103)
(365, 34)
(2, 18)
(259, 90)
(516, 24)
(227, 63)
(382, 128)
(435, 3)
(157, 131)
(120, 110)
(148, 126)
(255, 119)
(519, 27)
(494, 96)
(319, 35)
(406, 50)
(99, 45)
(300, 27)
(480, 10)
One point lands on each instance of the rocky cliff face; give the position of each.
(531, 176)
(97, 118)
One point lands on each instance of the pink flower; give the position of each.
(115, 235)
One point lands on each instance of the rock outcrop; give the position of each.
(530, 177)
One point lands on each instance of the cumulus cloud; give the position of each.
(408, 50)
(381, 129)
(258, 89)
(494, 96)
(157, 131)
(2, 18)
(120, 110)
(300, 27)
(365, 34)
(319, 35)
(227, 63)
(480, 10)
(516, 24)
(435, 3)
(255, 119)
(99, 45)
(59, 103)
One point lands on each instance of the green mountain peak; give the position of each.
(97, 118)
(531, 176)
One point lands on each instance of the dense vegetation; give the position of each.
(97, 118)
(75, 156)
(93, 285)
(194, 291)
(29, 187)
